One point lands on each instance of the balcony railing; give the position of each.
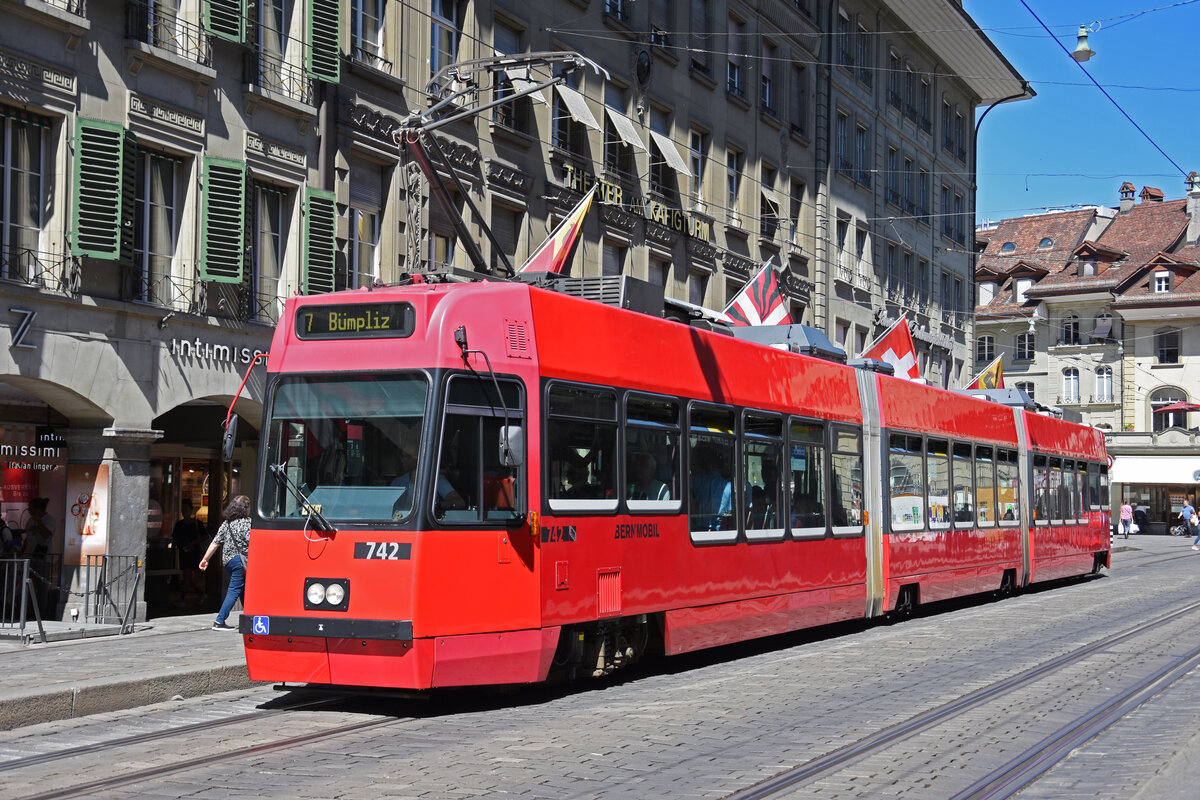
(57, 272)
(373, 60)
(162, 28)
(168, 291)
(76, 7)
(273, 74)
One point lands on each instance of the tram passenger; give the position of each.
(712, 492)
(646, 486)
(447, 495)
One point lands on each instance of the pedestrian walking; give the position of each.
(1126, 518)
(233, 538)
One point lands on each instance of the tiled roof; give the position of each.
(1066, 229)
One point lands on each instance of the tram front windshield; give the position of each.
(349, 443)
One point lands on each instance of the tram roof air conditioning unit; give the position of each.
(621, 291)
(796, 338)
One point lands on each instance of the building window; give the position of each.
(662, 22)
(1166, 345)
(569, 133)
(864, 56)
(21, 169)
(862, 155)
(1166, 396)
(798, 112)
(658, 272)
(893, 176)
(514, 114)
(987, 291)
(843, 154)
(664, 180)
(733, 184)
(795, 214)
(366, 207)
(1020, 287)
(1102, 328)
(701, 36)
(1026, 342)
(366, 32)
(947, 219)
(1070, 385)
(697, 287)
(154, 226)
(274, 24)
(267, 249)
(619, 9)
(1046, 243)
(893, 269)
(613, 259)
(734, 72)
(925, 98)
(959, 220)
(893, 85)
(1104, 385)
(618, 154)
(698, 158)
(766, 93)
(910, 202)
(923, 185)
(1162, 282)
(444, 34)
(768, 214)
(845, 53)
(1027, 388)
(985, 349)
(1070, 330)
(1008, 247)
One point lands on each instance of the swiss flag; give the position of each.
(760, 302)
(896, 348)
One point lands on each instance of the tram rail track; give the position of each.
(1032, 763)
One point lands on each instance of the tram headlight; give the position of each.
(315, 593)
(326, 594)
(335, 593)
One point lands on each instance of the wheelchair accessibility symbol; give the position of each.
(262, 626)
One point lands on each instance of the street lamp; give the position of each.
(1082, 51)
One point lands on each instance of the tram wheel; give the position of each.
(1008, 584)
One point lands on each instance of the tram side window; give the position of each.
(762, 460)
(1104, 495)
(807, 477)
(1041, 489)
(472, 484)
(985, 486)
(1081, 490)
(652, 453)
(906, 482)
(1055, 493)
(937, 481)
(1068, 490)
(1094, 486)
(962, 478)
(711, 472)
(1007, 487)
(846, 490)
(581, 446)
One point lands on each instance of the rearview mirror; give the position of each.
(512, 445)
(229, 438)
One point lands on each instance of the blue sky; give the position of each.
(1070, 145)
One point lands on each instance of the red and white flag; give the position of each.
(553, 254)
(760, 302)
(896, 347)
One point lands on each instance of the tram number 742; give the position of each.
(383, 551)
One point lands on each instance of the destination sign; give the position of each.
(355, 321)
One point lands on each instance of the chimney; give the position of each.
(1193, 208)
(1127, 201)
(1151, 195)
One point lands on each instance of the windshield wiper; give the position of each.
(281, 472)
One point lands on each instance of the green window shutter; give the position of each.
(320, 247)
(222, 239)
(226, 19)
(323, 53)
(99, 167)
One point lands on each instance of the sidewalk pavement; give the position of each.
(90, 673)
(165, 657)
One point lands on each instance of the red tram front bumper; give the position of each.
(468, 660)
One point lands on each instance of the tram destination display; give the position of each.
(355, 321)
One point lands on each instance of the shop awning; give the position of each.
(577, 106)
(671, 153)
(1155, 469)
(625, 129)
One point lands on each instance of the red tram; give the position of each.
(496, 482)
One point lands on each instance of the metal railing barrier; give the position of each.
(18, 597)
